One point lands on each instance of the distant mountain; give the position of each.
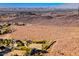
(26, 9)
(62, 6)
(68, 6)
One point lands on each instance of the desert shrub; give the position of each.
(6, 24)
(59, 15)
(0, 26)
(35, 52)
(9, 41)
(2, 31)
(49, 17)
(1, 41)
(19, 43)
(32, 52)
(15, 55)
(39, 41)
(5, 29)
(25, 42)
(47, 45)
(19, 24)
(5, 42)
(28, 42)
(28, 53)
(24, 48)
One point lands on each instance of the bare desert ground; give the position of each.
(67, 38)
(62, 28)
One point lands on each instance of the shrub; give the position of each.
(1, 41)
(15, 55)
(47, 45)
(35, 52)
(24, 48)
(19, 24)
(6, 42)
(20, 43)
(4, 30)
(28, 53)
(39, 41)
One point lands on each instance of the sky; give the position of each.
(69, 5)
(28, 5)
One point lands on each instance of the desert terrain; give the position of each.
(63, 27)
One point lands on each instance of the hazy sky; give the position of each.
(69, 5)
(29, 4)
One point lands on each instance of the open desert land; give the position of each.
(66, 37)
(63, 28)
